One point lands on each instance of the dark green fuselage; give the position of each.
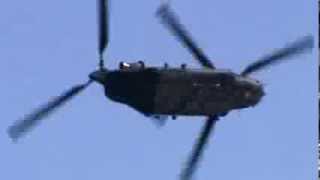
(180, 91)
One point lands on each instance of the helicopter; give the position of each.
(171, 91)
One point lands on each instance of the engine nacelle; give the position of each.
(128, 66)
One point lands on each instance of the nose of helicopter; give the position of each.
(254, 94)
(99, 76)
(252, 90)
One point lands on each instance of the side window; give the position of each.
(225, 81)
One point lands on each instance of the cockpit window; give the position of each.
(247, 81)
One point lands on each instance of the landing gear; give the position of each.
(166, 65)
(183, 66)
(223, 114)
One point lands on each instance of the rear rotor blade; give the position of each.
(172, 22)
(103, 26)
(193, 161)
(19, 128)
(297, 47)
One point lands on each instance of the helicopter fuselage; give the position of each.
(179, 91)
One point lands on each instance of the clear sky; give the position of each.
(48, 46)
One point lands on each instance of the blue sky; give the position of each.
(48, 46)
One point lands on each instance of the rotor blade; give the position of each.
(20, 127)
(172, 22)
(198, 148)
(297, 47)
(103, 25)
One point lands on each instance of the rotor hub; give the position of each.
(99, 76)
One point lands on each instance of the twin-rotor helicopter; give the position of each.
(171, 91)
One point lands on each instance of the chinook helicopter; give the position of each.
(171, 91)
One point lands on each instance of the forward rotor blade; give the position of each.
(297, 47)
(172, 22)
(103, 25)
(193, 161)
(20, 127)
